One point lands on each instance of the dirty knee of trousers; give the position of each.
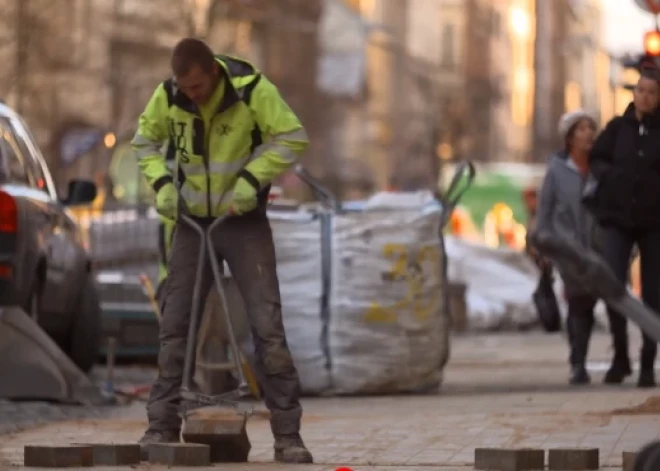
(278, 361)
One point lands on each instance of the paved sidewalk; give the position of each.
(500, 390)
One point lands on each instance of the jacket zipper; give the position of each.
(586, 221)
(582, 219)
(207, 165)
(205, 158)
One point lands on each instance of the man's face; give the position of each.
(645, 95)
(198, 85)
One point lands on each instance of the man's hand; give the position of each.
(244, 197)
(166, 201)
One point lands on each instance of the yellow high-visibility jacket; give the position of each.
(253, 133)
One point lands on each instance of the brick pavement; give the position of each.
(500, 390)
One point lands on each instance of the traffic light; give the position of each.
(652, 43)
(633, 64)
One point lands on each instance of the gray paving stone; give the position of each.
(225, 434)
(573, 459)
(114, 454)
(628, 460)
(503, 459)
(58, 456)
(180, 454)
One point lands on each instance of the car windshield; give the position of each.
(43, 168)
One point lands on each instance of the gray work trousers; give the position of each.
(246, 244)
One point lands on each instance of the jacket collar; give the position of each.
(563, 158)
(650, 121)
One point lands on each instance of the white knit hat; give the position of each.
(570, 119)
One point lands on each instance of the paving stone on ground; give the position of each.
(517, 397)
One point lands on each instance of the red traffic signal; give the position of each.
(652, 43)
(650, 6)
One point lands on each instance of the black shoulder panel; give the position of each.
(247, 90)
(169, 89)
(237, 67)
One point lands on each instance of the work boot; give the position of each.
(619, 370)
(156, 436)
(647, 365)
(646, 379)
(578, 326)
(291, 449)
(579, 375)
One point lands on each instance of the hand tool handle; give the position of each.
(587, 269)
(197, 306)
(449, 199)
(217, 276)
(323, 194)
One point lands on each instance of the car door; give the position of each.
(62, 248)
(20, 248)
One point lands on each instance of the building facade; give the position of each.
(93, 64)
(487, 72)
(573, 71)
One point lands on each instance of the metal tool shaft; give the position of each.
(217, 275)
(207, 250)
(197, 307)
(587, 269)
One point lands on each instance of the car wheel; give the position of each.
(85, 334)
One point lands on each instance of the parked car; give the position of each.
(44, 266)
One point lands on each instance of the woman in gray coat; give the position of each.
(561, 212)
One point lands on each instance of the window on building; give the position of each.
(572, 96)
(448, 36)
(521, 102)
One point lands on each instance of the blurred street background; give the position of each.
(389, 90)
(394, 95)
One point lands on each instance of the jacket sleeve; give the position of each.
(286, 138)
(600, 157)
(546, 203)
(149, 139)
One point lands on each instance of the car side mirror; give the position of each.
(80, 192)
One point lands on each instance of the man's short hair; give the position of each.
(650, 71)
(190, 52)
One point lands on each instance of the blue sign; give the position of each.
(77, 143)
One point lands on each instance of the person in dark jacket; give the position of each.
(625, 161)
(561, 212)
